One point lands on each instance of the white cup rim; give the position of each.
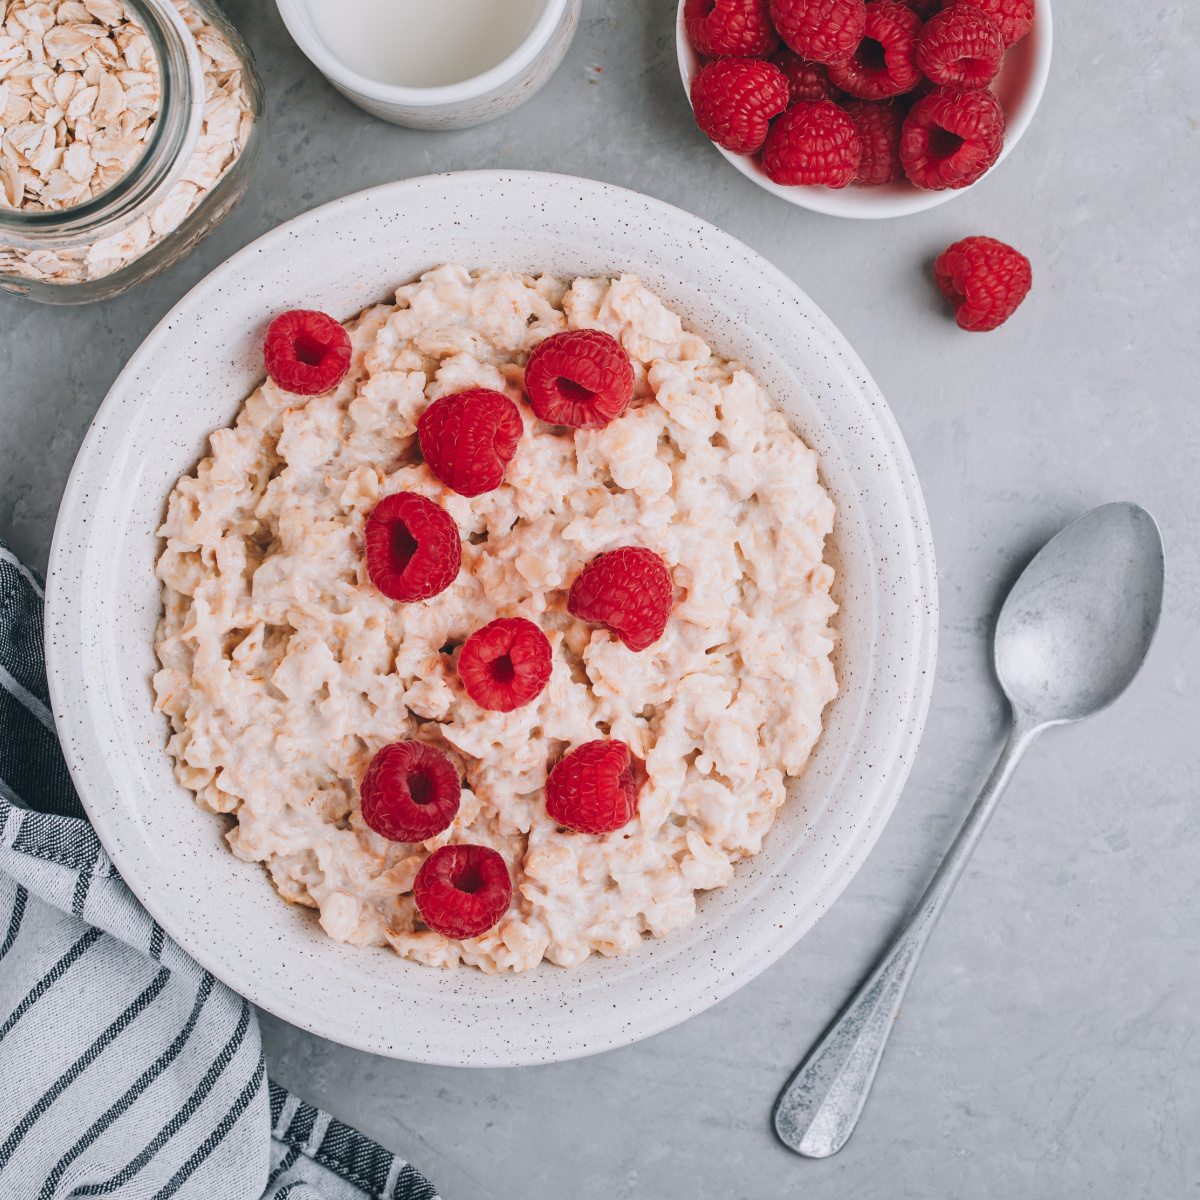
(299, 24)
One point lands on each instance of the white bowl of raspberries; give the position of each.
(864, 109)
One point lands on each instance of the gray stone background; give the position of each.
(1048, 1046)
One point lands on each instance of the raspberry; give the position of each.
(730, 28)
(813, 142)
(984, 279)
(413, 548)
(734, 100)
(582, 378)
(885, 63)
(826, 31)
(468, 439)
(961, 47)
(592, 789)
(506, 664)
(807, 80)
(878, 123)
(462, 891)
(629, 590)
(1012, 17)
(410, 792)
(306, 352)
(951, 138)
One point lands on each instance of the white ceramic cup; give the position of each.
(456, 105)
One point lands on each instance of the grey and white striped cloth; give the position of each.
(126, 1070)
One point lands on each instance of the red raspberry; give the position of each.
(961, 47)
(462, 891)
(813, 142)
(410, 792)
(807, 80)
(1012, 17)
(825, 31)
(984, 279)
(307, 353)
(506, 664)
(734, 100)
(582, 378)
(468, 439)
(725, 28)
(885, 63)
(951, 138)
(629, 590)
(592, 789)
(878, 123)
(413, 548)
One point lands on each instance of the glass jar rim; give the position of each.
(176, 131)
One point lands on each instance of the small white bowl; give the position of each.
(1018, 87)
(456, 105)
(190, 376)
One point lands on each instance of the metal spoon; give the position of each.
(1071, 636)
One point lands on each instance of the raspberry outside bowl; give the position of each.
(1018, 87)
(190, 376)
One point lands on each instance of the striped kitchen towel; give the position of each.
(126, 1070)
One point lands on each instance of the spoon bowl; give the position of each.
(1078, 623)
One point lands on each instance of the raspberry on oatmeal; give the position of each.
(506, 664)
(306, 352)
(462, 891)
(285, 670)
(592, 790)
(468, 439)
(629, 590)
(410, 792)
(413, 548)
(582, 378)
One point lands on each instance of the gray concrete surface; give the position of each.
(1048, 1047)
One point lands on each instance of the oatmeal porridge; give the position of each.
(285, 671)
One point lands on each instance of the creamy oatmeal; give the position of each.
(284, 670)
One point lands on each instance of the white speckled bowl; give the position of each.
(1018, 87)
(190, 376)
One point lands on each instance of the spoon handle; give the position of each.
(817, 1111)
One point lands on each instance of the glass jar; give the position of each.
(199, 152)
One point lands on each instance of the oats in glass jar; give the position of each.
(80, 100)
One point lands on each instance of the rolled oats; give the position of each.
(79, 98)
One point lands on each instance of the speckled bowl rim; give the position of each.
(1029, 57)
(190, 375)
